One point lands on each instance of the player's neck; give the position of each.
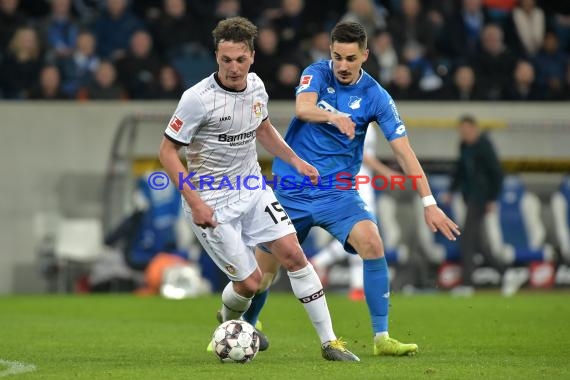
(226, 88)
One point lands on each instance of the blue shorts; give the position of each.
(336, 211)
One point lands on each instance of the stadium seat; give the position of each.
(515, 229)
(435, 246)
(79, 240)
(560, 202)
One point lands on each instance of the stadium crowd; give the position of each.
(144, 49)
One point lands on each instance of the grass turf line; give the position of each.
(124, 337)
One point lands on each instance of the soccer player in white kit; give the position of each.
(218, 121)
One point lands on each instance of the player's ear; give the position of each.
(252, 56)
(365, 55)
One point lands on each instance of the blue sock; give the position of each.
(252, 314)
(377, 292)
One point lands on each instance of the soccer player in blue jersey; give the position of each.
(335, 102)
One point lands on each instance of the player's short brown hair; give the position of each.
(235, 29)
(348, 32)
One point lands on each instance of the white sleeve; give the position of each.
(262, 107)
(370, 140)
(189, 115)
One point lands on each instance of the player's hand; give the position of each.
(438, 221)
(306, 169)
(203, 216)
(344, 124)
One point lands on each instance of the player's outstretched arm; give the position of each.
(434, 216)
(202, 214)
(306, 109)
(272, 141)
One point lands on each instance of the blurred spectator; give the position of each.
(383, 51)
(422, 70)
(528, 28)
(10, 20)
(79, 69)
(105, 85)
(114, 28)
(499, 10)
(366, 12)
(256, 10)
(464, 86)
(318, 49)
(291, 26)
(146, 9)
(49, 87)
(21, 66)
(227, 8)
(174, 28)
(479, 177)
(138, 70)
(267, 59)
(411, 26)
(288, 76)
(560, 19)
(59, 29)
(402, 86)
(523, 86)
(88, 10)
(550, 65)
(463, 30)
(169, 84)
(494, 65)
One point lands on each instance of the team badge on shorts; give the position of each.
(231, 269)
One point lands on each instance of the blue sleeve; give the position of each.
(311, 80)
(387, 116)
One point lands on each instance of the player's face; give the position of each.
(347, 61)
(234, 60)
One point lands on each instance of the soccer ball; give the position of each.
(235, 341)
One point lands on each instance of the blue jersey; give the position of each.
(322, 144)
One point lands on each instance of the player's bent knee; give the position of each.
(250, 285)
(289, 253)
(294, 260)
(370, 248)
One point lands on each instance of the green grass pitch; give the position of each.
(125, 337)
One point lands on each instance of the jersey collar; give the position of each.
(219, 82)
(358, 80)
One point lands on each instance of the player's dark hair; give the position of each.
(235, 29)
(470, 119)
(348, 32)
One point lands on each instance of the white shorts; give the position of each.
(241, 226)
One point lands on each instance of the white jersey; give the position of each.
(218, 127)
(367, 191)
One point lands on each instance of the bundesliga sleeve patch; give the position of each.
(304, 83)
(176, 124)
(305, 80)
